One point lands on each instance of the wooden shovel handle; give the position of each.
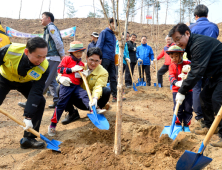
(130, 71)
(141, 68)
(213, 127)
(176, 108)
(19, 122)
(87, 86)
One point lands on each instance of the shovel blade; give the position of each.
(53, 145)
(192, 161)
(100, 122)
(176, 130)
(134, 87)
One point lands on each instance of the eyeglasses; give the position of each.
(94, 61)
(177, 41)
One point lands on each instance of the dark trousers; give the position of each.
(196, 100)
(24, 88)
(145, 68)
(185, 110)
(161, 72)
(80, 105)
(128, 79)
(110, 67)
(211, 101)
(67, 94)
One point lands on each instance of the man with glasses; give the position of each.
(205, 54)
(97, 78)
(204, 27)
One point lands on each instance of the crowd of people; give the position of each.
(32, 69)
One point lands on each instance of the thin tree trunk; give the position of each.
(148, 11)
(94, 9)
(41, 9)
(180, 11)
(64, 8)
(141, 17)
(49, 4)
(114, 14)
(118, 126)
(166, 13)
(20, 9)
(157, 9)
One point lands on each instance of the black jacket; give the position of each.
(132, 53)
(205, 54)
(36, 92)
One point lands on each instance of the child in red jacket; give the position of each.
(167, 62)
(175, 69)
(70, 84)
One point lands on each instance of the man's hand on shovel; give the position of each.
(180, 98)
(28, 124)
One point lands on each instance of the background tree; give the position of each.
(20, 9)
(107, 9)
(40, 14)
(71, 10)
(132, 9)
(93, 15)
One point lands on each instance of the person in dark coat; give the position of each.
(94, 37)
(205, 54)
(132, 54)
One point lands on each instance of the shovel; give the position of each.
(195, 161)
(53, 144)
(99, 120)
(139, 82)
(143, 83)
(134, 87)
(173, 130)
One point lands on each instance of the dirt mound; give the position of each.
(142, 148)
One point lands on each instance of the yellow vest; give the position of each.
(5, 39)
(12, 58)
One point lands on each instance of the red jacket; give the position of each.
(163, 53)
(174, 71)
(65, 66)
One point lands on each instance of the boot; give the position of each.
(200, 122)
(217, 144)
(26, 143)
(204, 131)
(53, 105)
(71, 117)
(22, 104)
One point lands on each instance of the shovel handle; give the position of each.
(87, 86)
(130, 71)
(19, 122)
(141, 68)
(213, 127)
(176, 108)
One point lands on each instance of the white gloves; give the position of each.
(86, 72)
(151, 62)
(182, 76)
(180, 97)
(179, 83)
(139, 60)
(28, 124)
(65, 81)
(186, 68)
(127, 59)
(134, 49)
(154, 59)
(76, 68)
(93, 103)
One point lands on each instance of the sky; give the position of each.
(31, 10)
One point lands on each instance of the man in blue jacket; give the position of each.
(144, 54)
(107, 44)
(94, 37)
(204, 27)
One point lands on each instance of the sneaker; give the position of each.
(204, 131)
(22, 104)
(200, 122)
(217, 144)
(99, 111)
(26, 143)
(71, 117)
(51, 131)
(53, 105)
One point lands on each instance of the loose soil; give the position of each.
(144, 114)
